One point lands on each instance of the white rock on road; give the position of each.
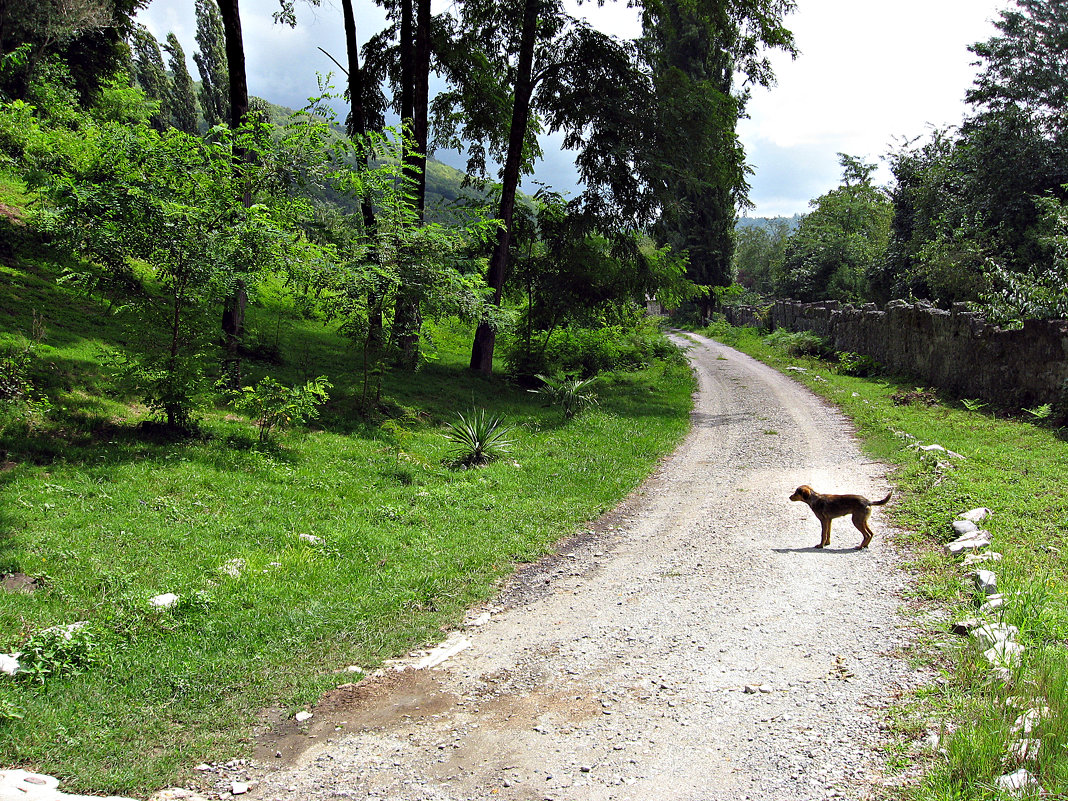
(617, 669)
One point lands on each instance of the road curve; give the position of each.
(691, 645)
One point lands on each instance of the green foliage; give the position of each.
(211, 64)
(273, 405)
(840, 242)
(478, 439)
(857, 364)
(759, 251)
(57, 652)
(572, 395)
(799, 343)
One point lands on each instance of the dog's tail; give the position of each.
(884, 500)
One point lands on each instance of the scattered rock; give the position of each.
(232, 568)
(1004, 654)
(991, 634)
(164, 601)
(300, 717)
(966, 625)
(979, 558)
(1016, 783)
(1029, 720)
(962, 527)
(176, 794)
(969, 542)
(238, 788)
(66, 631)
(976, 515)
(937, 449)
(481, 620)
(311, 539)
(9, 663)
(992, 604)
(453, 644)
(1025, 749)
(986, 582)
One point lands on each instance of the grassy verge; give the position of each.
(101, 515)
(1020, 471)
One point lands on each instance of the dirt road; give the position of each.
(692, 645)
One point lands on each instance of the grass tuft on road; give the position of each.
(1019, 470)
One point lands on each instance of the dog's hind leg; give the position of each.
(860, 520)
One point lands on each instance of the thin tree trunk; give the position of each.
(357, 127)
(233, 319)
(485, 335)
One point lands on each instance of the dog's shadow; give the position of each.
(814, 549)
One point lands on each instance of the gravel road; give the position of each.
(693, 644)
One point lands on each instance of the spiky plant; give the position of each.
(478, 438)
(572, 394)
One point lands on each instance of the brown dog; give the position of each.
(828, 507)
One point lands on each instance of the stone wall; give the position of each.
(957, 351)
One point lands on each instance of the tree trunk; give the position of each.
(485, 335)
(357, 126)
(415, 83)
(233, 319)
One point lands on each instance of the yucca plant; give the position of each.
(478, 438)
(572, 394)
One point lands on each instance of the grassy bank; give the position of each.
(1018, 469)
(99, 513)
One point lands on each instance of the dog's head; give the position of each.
(803, 493)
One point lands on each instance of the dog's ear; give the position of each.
(805, 491)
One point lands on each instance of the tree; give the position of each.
(693, 163)
(170, 199)
(758, 254)
(86, 35)
(841, 241)
(150, 73)
(183, 102)
(211, 63)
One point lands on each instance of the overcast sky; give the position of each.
(869, 74)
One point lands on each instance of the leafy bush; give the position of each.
(857, 364)
(799, 343)
(478, 439)
(589, 351)
(57, 651)
(274, 405)
(20, 400)
(570, 393)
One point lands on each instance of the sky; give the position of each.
(870, 74)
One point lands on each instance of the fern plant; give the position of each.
(478, 438)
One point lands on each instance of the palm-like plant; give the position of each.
(572, 394)
(478, 438)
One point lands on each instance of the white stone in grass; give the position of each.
(238, 788)
(962, 527)
(972, 541)
(1016, 783)
(1029, 720)
(68, 630)
(9, 663)
(979, 558)
(976, 515)
(300, 717)
(992, 604)
(311, 539)
(938, 449)
(232, 567)
(986, 582)
(164, 601)
(1004, 654)
(1025, 749)
(992, 633)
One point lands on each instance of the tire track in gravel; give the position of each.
(618, 668)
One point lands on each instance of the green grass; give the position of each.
(1020, 471)
(106, 513)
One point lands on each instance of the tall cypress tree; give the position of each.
(150, 73)
(183, 98)
(211, 63)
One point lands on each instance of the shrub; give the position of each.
(273, 405)
(570, 393)
(857, 364)
(799, 343)
(58, 651)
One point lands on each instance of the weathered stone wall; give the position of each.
(957, 351)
